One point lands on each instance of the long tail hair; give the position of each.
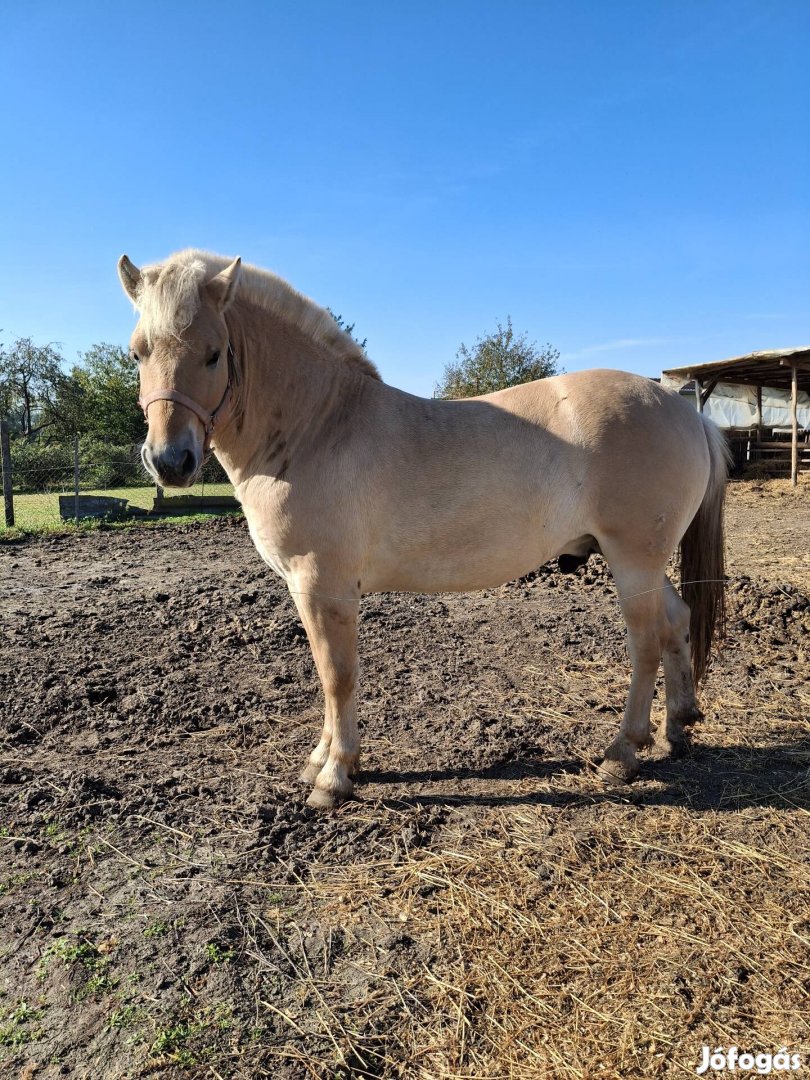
(703, 558)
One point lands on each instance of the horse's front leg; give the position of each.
(331, 626)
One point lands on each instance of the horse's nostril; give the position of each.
(188, 464)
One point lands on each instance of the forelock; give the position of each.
(169, 297)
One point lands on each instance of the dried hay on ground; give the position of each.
(614, 942)
(169, 907)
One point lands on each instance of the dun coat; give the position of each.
(351, 486)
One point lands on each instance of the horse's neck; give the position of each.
(287, 392)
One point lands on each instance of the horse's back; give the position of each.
(611, 416)
(592, 407)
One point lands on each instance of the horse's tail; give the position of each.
(703, 557)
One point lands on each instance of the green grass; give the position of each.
(40, 512)
(18, 1025)
(217, 955)
(172, 1040)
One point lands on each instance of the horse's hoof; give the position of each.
(615, 773)
(619, 765)
(693, 716)
(310, 774)
(674, 738)
(679, 747)
(321, 800)
(325, 800)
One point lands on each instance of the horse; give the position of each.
(351, 486)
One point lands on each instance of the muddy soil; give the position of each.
(158, 701)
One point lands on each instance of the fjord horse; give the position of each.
(350, 486)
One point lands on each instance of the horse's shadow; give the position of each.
(724, 779)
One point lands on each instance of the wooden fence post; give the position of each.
(794, 425)
(8, 497)
(76, 474)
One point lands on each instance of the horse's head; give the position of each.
(184, 356)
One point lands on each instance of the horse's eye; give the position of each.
(135, 357)
(213, 361)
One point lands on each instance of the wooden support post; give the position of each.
(707, 393)
(754, 450)
(702, 395)
(8, 497)
(76, 474)
(794, 419)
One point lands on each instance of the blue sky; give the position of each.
(628, 179)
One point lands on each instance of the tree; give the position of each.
(348, 328)
(31, 378)
(496, 361)
(99, 397)
(103, 390)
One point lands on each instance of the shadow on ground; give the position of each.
(707, 779)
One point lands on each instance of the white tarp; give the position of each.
(733, 406)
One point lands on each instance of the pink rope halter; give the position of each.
(207, 419)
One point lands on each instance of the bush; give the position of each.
(497, 361)
(48, 466)
(104, 465)
(213, 473)
(38, 466)
(41, 466)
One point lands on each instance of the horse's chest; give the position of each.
(272, 558)
(267, 538)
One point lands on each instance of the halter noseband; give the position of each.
(207, 419)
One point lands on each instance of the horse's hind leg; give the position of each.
(642, 604)
(682, 709)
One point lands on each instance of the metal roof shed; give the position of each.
(777, 368)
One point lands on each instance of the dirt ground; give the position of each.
(485, 908)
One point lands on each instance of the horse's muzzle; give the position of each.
(172, 466)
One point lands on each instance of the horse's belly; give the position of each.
(477, 559)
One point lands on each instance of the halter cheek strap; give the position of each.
(207, 419)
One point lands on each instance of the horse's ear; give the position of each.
(221, 289)
(130, 277)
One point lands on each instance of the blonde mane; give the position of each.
(169, 297)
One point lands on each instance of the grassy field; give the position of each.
(41, 511)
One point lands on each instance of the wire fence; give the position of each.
(45, 483)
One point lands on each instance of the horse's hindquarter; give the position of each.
(648, 461)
